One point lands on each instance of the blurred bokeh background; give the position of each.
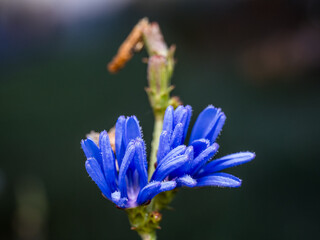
(257, 60)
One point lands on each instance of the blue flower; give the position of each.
(199, 170)
(122, 176)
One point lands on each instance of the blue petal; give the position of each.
(164, 146)
(173, 153)
(216, 129)
(208, 124)
(189, 113)
(200, 145)
(94, 170)
(168, 120)
(187, 181)
(127, 159)
(91, 150)
(203, 122)
(118, 200)
(141, 163)
(147, 192)
(154, 188)
(167, 186)
(132, 129)
(166, 167)
(177, 114)
(108, 161)
(120, 148)
(181, 117)
(228, 161)
(202, 158)
(177, 136)
(219, 180)
(183, 120)
(185, 168)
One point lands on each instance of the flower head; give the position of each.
(122, 174)
(127, 186)
(200, 170)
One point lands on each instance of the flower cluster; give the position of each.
(122, 175)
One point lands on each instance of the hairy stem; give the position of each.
(145, 220)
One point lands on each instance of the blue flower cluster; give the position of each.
(122, 174)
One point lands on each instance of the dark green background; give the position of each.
(55, 89)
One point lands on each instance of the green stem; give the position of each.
(148, 236)
(155, 141)
(145, 220)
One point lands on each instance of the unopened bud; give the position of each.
(157, 73)
(154, 40)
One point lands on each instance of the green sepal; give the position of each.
(144, 221)
(162, 200)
